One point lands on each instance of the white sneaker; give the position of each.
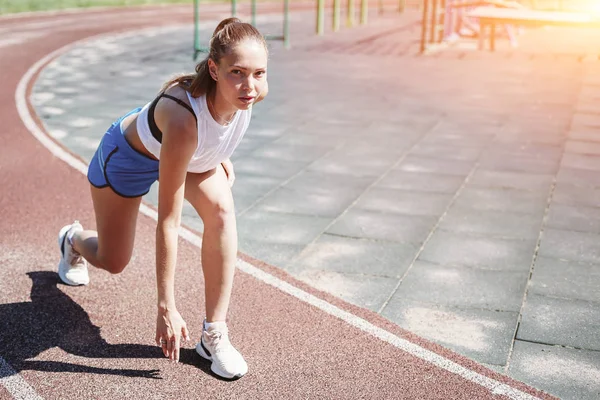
(214, 345)
(72, 268)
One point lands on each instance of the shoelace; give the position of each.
(76, 260)
(218, 340)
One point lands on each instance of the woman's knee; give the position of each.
(220, 214)
(114, 264)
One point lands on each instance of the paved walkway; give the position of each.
(456, 194)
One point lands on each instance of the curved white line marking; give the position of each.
(495, 387)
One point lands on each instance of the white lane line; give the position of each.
(495, 387)
(15, 384)
(18, 38)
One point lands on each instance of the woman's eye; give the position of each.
(260, 73)
(236, 72)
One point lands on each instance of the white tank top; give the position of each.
(216, 142)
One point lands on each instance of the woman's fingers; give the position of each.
(170, 348)
(170, 330)
(164, 344)
(175, 352)
(185, 333)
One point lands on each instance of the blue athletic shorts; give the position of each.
(128, 172)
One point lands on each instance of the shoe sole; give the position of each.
(214, 367)
(62, 236)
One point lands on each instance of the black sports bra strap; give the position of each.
(181, 103)
(156, 133)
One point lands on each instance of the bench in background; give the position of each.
(492, 16)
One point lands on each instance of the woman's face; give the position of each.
(241, 74)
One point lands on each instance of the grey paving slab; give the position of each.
(534, 125)
(517, 201)
(377, 143)
(246, 147)
(360, 148)
(366, 291)
(574, 218)
(570, 245)
(355, 256)
(248, 189)
(511, 180)
(275, 168)
(581, 161)
(444, 135)
(259, 127)
(566, 322)
(567, 193)
(446, 152)
(589, 91)
(464, 287)
(436, 166)
(332, 127)
(491, 160)
(383, 226)
(480, 334)
(487, 124)
(534, 136)
(323, 203)
(297, 136)
(404, 202)
(411, 124)
(448, 248)
(398, 145)
(557, 106)
(271, 227)
(420, 182)
(276, 254)
(324, 181)
(565, 279)
(580, 177)
(587, 105)
(340, 162)
(524, 137)
(584, 134)
(492, 222)
(582, 147)
(585, 119)
(288, 152)
(569, 374)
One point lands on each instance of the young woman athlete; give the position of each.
(183, 138)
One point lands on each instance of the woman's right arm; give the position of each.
(178, 145)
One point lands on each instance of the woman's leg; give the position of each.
(111, 246)
(210, 194)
